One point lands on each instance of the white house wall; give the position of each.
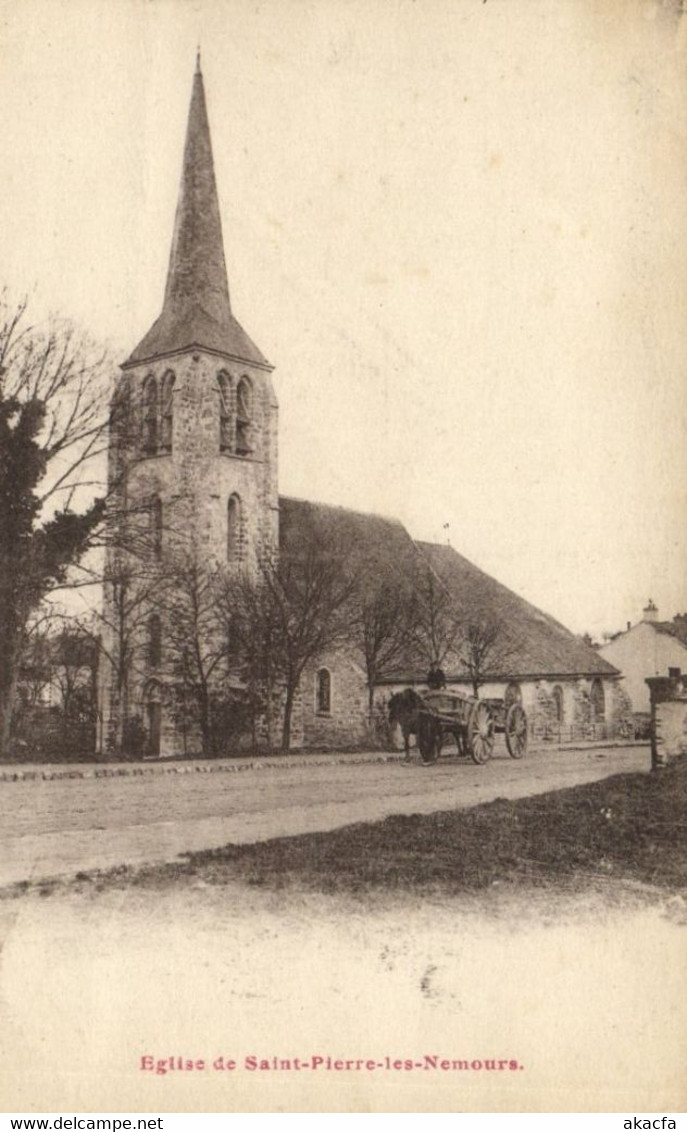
(641, 652)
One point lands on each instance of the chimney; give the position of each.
(650, 612)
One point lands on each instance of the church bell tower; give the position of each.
(193, 442)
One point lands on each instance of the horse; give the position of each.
(404, 710)
(408, 709)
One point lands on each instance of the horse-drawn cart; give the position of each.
(472, 722)
(510, 720)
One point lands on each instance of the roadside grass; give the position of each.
(625, 828)
(630, 826)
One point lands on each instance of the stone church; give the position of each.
(193, 455)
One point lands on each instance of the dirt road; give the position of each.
(54, 827)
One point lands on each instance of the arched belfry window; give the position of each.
(156, 526)
(167, 400)
(149, 422)
(244, 413)
(154, 640)
(323, 691)
(598, 698)
(224, 383)
(233, 528)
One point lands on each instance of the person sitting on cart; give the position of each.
(436, 677)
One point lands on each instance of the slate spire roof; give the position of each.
(196, 309)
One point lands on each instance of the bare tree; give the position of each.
(35, 666)
(53, 426)
(295, 609)
(310, 594)
(196, 648)
(73, 672)
(486, 648)
(249, 615)
(436, 626)
(134, 590)
(383, 621)
(136, 583)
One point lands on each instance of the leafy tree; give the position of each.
(53, 425)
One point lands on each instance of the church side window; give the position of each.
(598, 698)
(558, 703)
(156, 526)
(121, 409)
(233, 528)
(224, 382)
(244, 412)
(323, 691)
(150, 415)
(154, 640)
(167, 399)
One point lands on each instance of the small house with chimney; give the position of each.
(650, 648)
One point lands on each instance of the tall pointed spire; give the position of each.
(196, 309)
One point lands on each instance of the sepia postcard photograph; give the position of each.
(343, 556)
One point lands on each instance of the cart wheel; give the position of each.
(428, 740)
(462, 743)
(516, 731)
(480, 732)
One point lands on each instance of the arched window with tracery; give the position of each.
(150, 436)
(154, 640)
(598, 698)
(557, 695)
(167, 400)
(156, 526)
(323, 691)
(233, 528)
(224, 383)
(244, 413)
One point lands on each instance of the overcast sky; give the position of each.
(457, 228)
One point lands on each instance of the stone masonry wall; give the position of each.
(538, 698)
(194, 482)
(196, 479)
(347, 724)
